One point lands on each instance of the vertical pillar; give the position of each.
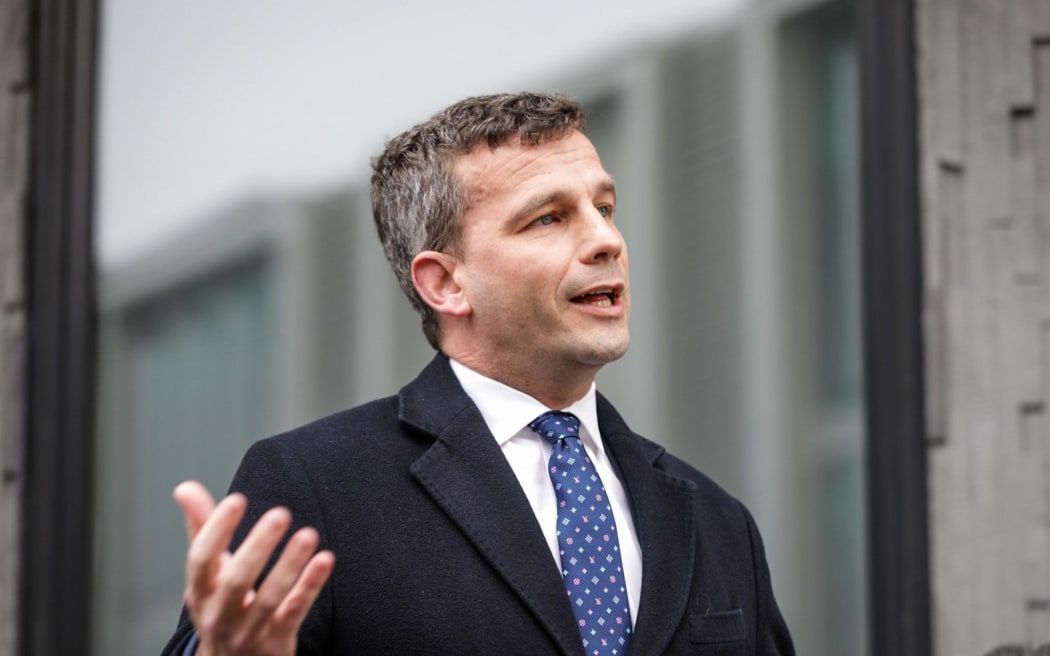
(60, 330)
(893, 348)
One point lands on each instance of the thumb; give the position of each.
(196, 503)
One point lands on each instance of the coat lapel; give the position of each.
(663, 509)
(468, 477)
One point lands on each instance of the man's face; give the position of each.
(541, 262)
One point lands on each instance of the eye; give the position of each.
(545, 220)
(605, 210)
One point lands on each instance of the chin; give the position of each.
(601, 353)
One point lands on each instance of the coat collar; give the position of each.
(663, 507)
(466, 474)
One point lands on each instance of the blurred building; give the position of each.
(735, 154)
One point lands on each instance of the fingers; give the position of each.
(239, 574)
(293, 567)
(211, 542)
(196, 504)
(292, 611)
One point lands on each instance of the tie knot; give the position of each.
(555, 426)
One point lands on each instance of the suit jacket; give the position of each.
(438, 551)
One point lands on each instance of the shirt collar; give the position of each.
(507, 411)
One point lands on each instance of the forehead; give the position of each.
(515, 167)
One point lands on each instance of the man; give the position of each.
(498, 504)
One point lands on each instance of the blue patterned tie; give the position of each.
(590, 553)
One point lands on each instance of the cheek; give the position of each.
(521, 281)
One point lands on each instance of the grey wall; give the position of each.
(984, 85)
(14, 153)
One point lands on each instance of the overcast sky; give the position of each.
(207, 101)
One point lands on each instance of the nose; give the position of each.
(603, 240)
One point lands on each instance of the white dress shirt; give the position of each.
(508, 412)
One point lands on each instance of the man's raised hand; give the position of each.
(229, 614)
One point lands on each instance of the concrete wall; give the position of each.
(14, 165)
(984, 93)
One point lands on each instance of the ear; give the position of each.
(433, 274)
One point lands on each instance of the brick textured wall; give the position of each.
(14, 164)
(984, 94)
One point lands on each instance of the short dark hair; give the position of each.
(417, 201)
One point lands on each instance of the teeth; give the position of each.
(598, 298)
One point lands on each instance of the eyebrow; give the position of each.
(607, 186)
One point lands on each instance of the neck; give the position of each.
(556, 388)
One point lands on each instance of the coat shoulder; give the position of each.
(347, 429)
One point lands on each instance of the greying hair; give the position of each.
(417, 201)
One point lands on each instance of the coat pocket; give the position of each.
(719, 627)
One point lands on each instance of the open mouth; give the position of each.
(597, 298)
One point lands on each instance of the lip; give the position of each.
(614, 290)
